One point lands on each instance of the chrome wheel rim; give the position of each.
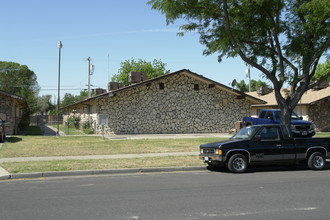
(239, 164)
(318, 162)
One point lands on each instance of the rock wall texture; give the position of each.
(319, 114)
(11, 113)
(176, 104)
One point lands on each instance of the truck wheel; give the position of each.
(237, 163)
(316, 161)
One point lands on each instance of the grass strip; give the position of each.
(70, 165)
(37, 146)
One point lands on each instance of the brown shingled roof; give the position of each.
(310, 97)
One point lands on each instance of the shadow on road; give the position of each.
(271, 168)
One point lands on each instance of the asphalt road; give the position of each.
(268, 193)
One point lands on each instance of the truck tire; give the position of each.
(316, 161)
(237, 163)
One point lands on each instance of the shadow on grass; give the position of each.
(13, 139)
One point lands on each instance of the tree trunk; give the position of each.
(286, 113)
(285, 107)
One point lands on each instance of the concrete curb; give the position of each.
(4, 174)
(98, 172)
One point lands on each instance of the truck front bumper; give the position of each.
(209, 158)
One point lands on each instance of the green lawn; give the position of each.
(69, 165)
(37, 146)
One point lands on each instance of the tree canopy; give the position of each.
(322, 70)
(243, 87)
(152, 69)
(283, 39)
(19, 80)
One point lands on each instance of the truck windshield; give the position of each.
(294, 116)
(246, 132)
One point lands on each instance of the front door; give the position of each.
(267, 145)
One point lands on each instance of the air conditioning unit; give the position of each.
(114, 86)
(136, 77)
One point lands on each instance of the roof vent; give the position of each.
(99, 91)
(322, 85)
(114, 86)
(136, 77)
(263, 90)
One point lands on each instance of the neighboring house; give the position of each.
(11, 110)
(179, 102)
(314, 106)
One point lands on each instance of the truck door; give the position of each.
(266, 145)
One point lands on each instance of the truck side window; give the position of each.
(269, 115)
(269, 134)
(262, 115)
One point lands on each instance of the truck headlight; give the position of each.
(218, 151)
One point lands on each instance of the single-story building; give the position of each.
(178, 102)
(11, 111)
(314, 105)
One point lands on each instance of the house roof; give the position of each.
(183, 71)
(310, 97)
(12, 95)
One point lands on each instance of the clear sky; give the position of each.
(108, 31)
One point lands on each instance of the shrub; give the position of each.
(87, 129)
(74, 121)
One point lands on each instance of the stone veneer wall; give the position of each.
(7, 113)
(178, 108)
(320, 115)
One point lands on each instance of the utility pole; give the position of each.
(89, 77)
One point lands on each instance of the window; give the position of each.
(270, 115)
(269, 134)
(262, 115)
(196, 87)
(161, 86)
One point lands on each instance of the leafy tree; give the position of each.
(44, 104)
(243, 87)
(20, 80)
(69, 99)
(321, 70)
(282, 39)
(152, 69)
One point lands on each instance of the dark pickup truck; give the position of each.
(265, 144)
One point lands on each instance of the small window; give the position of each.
(196, 87)
(161, 86)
